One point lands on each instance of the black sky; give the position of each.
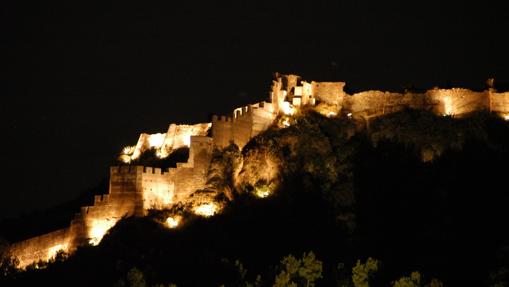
(82, 79)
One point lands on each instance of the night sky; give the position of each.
(81, 80)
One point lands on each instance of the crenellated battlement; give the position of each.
(153, 170)
(135, 169)
(126, 169)
(238, 112)
(216, 119)
(247, 122)
(244, 112)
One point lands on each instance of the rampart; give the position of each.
(453, 102)
(42, 247)
(291, 90)
(499, 103)
(133, 191)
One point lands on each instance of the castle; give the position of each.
(133, 190)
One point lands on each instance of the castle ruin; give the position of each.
(133, 190)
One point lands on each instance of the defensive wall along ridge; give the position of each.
(133, 190)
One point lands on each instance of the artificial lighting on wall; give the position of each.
(206, 210)
(124, 158)
(262, 193)
(156, 140)
(98, 229)
(173, 221)
(126, 154)
(448, 110)
(287, 109)
(52, 251)
(128, 150)
(162, 153)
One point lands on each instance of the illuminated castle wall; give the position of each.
(246, 123)
(287, 91)
(133, 191)
(369, 104)
(136, 189)
(454, 102)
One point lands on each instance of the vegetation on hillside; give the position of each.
(413, 200)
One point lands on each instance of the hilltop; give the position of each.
(393, 176)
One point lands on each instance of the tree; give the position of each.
(413, 281)
(243, 282)
(311, 268)
(134, 278)
(362, 273)
(224, 166)
(299, 272)
(8, 266)
(499, 277)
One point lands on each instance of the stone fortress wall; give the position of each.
(246, 123)
(133, 191)
(454, 102)
(136, 189)
(287, 91)
(368, 104)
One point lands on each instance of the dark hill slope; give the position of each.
(346, 193)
